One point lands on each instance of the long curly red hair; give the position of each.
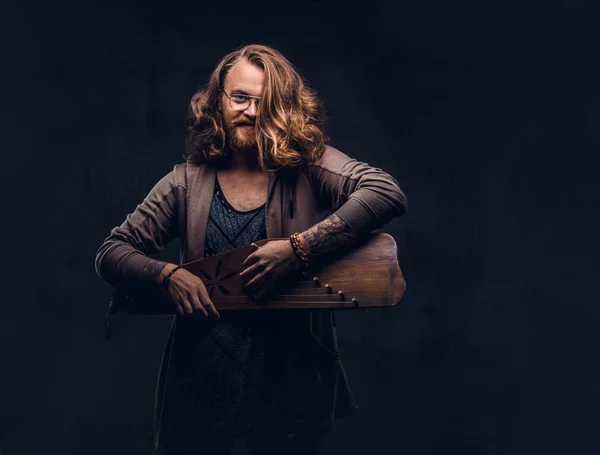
(290, 121)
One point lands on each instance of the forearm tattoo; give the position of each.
(328, 235)
(152, 270)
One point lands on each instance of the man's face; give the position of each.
(246, 79)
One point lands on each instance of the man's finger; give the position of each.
(208, 304)
(251, 271)
(255, 283)
(263, 291)
(259, 294)
(198, 307)
(251, 259)
(187, 307)
(212, 311)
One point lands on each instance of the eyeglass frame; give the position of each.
(250, 98)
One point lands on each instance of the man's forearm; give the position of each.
(326, 236)
(155, 270)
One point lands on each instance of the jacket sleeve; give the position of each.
(122, 259)
(365, 197)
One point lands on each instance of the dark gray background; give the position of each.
(487, 113)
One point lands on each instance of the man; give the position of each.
(258, 167)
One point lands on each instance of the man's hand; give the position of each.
(267, 265)
(188, 293)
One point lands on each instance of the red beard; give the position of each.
(242, 139)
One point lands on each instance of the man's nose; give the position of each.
(252, 108)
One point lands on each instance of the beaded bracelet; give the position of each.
(298, 248)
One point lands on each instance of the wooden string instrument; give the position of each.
(365, 274)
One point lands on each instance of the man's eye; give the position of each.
(239, 98)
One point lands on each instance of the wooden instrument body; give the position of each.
(366, 274)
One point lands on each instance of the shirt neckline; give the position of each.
(219, 192)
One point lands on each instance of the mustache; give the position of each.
(244, 121)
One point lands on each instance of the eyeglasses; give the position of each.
(240, 102)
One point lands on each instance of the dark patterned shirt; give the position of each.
(229, 228)
(218, 378)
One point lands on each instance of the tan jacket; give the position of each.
(366, 198)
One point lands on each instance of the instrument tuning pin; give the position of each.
(328, 287)
(316, 280)
(254, 246)
(342, 295)
(354, 301)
